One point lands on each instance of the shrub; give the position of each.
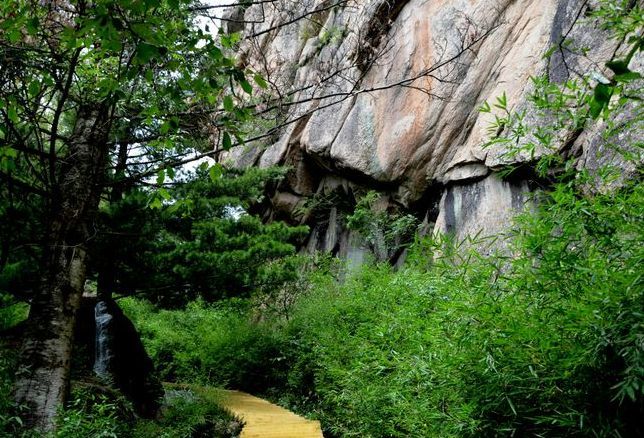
(213, 344)
(104, 415)
(189, 415)
(548, 344)
(369, 350)
(10, 421)
(93, 415)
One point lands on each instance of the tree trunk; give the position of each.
(43, 378)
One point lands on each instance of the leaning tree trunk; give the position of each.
(43, 378)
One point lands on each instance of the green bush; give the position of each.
(12, 313)
(211, 344)
(92, 415)
(185, 414)
(189, 415)
(375, 360)
(549, 343)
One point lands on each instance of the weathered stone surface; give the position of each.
(390, 93)
(482, 208)
(354, 249)
(286, 202)
(619, 150)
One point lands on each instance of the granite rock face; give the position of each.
(481, 209)
(385, 95)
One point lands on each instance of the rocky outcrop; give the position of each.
(482, 209)
(113, 349)
(385, 95)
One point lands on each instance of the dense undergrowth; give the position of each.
(97, 412)
(548, 342)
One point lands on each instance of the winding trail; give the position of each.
(263, 419)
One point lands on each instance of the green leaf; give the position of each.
(630, 391)
(161, 177)
(260, 81)
(549, 52)
(215, 172)
(107, 86)
(628, 77)
(145, 52)
(502, 101)
(246, 86)
(619, 66)
(8, 152)
(229, 40)
(33, 25)
(151, 3)
(228, 104)
(164, 193)
(595, 108)
(112, 43)
(215, 52)
(47, 80)
(34, 89)
(12, 114)
(14, 35)
(156, 204)
(603, 93)
(227, 142)
(131, 73)
(485, 108)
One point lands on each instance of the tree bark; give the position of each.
(43, 378)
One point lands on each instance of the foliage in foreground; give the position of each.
(9, 419)
(91, 413)
(184, 415)
(548, 343)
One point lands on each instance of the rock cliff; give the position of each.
(385, 95)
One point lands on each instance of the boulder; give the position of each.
(116, 354)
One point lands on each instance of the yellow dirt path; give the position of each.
(266, 420)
